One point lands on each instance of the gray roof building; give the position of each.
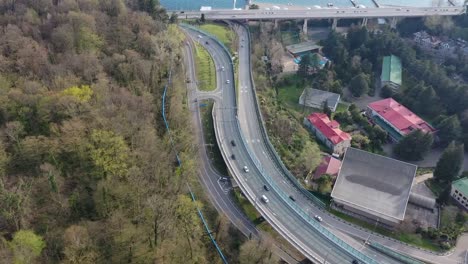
(302, 48)
(316, 99)
(374, 186)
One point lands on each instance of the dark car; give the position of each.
(233, 156)
(233, 143)
(355, 261)
(207, 43)
(292, 198)
(266, 188)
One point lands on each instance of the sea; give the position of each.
(218, 4)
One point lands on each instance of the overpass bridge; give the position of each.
(334, 13)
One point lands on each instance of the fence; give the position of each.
(179, 162)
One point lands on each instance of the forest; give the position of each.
(87, 172)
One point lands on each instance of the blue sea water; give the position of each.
(196, 4)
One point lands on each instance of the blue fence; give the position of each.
(205, 224)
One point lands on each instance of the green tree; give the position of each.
(109, 153)
(386, 92)
(260, 252)
(360, 141)
(174, 19)
(449, 129)
(450, 163)
(26, 246)
(359, 85)
(304, 65)
(414, 145)
(202, 18)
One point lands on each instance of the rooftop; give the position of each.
(316, 98)
(391, 69)
(303, 47)
(329, 165)
(399, 116)
(461, 185)
(330, 129)
(375, 184)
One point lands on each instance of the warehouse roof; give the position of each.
(316, 98)
(302, 47)
(391, 69)
(374, 184)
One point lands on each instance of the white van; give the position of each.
(265, 199)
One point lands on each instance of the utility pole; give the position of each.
(234, 2)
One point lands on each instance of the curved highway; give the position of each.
(285, 219)
(209, 177)
(251, 125)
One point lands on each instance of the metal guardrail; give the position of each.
(395, 255)
(318, 227)
(179, 162)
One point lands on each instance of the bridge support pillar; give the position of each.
(335, 23)
(304, 27)
(393, 22)
(364, 21)
(276, 24)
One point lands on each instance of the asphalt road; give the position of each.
(283, 218)
(334, 12)
(220, 197)
(252, 127)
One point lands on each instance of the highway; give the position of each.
(220, 197)
(320, 13)
(285, 216)
(306, 235)
(253, 127)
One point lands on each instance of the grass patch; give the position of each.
(205, 68)
(342, 107)
(221, 32)
(422, 171)
(206, 106)
(413, 239)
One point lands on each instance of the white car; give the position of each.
(265, 199)
(228, 82)
(318, 218)
(222, 68)
(246, 169)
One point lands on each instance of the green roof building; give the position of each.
(459, 192)
(391, 72)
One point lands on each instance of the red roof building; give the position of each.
(328, 132)
(329, 165)
(396, 119)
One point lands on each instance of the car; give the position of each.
(292, 198)
(233, 156)
(207, 43)
(200, 36)
(233, 143)
(242, 46)
(228, 82)
(266, 188)
(318, 218)
(265, 199)
(355, 261)
(222, 68)
(246, 169)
